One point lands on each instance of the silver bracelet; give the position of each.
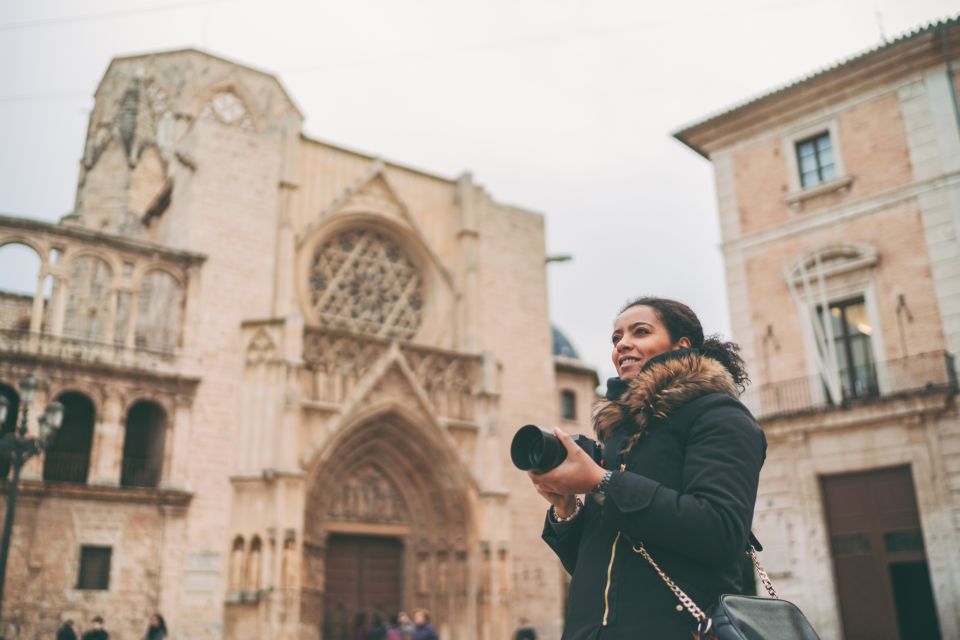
(576, 511)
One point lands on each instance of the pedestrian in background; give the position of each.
(393, 628)
(97, 632)
(405, 625)
(67, 631)
(157, 629)
(524, 631)
(423, 629)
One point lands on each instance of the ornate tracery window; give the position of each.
(360, 280)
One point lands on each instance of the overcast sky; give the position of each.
(560, 106)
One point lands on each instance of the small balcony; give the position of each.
(932, 372)
(84, 351)
(66, 466)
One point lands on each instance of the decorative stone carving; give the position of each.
(225, 107)
(337, 361)
(447, 380)
(367, 496)
(360, 280)
(261, 348)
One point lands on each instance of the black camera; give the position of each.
(538, 450)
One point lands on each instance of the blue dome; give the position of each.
(562, 345)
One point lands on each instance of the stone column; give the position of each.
(106, 454)
(59, 303)
(36, 313)
(178, 445)
(468, 237)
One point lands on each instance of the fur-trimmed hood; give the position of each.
(665, 384)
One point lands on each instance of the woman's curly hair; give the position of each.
(681, 321)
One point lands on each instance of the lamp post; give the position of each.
(20, 448)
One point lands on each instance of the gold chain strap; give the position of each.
(689, 604)
(684, 599)
(764, 578)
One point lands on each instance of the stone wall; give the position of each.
(15, 310)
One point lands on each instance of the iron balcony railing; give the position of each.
(140, 472)
(924, 372)
(66, 466)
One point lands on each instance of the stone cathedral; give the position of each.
(291, 373)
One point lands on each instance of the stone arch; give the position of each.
(237, 564)
(432, 513)
(253, 578)
(67, 456)
(437, 291)
(21, 267)
(145, 430)
(833, 259)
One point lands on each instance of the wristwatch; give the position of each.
(601, 487)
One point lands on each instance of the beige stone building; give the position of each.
(839, 203)
(291, 373)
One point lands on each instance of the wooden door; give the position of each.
(880, 565)
(363, 578)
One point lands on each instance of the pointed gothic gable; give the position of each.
(372, 194)
(261, 348)
(392, 384)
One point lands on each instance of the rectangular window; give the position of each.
(815, 160)
(568, 405)
(94, 568)
(851, 338)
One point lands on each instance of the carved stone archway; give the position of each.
(388, 476)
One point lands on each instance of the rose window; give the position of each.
(361, 281)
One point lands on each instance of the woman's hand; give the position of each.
(577, 474)
(564, 505)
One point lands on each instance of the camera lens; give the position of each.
(537, 450)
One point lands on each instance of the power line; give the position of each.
(43, 22)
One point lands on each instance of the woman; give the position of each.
(157, 629)
(423, 628)
(681, 463)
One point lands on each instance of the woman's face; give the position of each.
(418, 618)
(638, 335)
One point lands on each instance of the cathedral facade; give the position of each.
(291, 373)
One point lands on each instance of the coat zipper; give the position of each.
(613, 555)
(606, 591)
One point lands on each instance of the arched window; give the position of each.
(143, 445)
(13, 413)
(19, 272)
(253, 565)
(67, 458)
(88, 299)
(159, 304)
(236, 564)
(568, 405)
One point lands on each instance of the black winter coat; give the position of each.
(687, 492)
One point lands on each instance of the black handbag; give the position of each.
(736, 617)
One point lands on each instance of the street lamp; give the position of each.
(21, 448)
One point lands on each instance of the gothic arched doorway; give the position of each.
(388, 526)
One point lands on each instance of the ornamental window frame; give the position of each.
(409, 249)
(797, 193)
(840, 280)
